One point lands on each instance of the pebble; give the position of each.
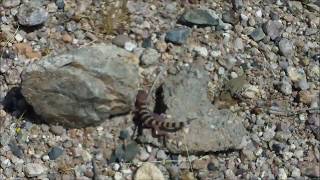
(295, 172)
(18, 37)
(202, 51)
(67, 38)
(10, 3)
(286, 47)
(149, 57)
(120, 40)
(34, 170)
(204, 17)
(57, 130)
(60, 4)
(178, 36)
(30, 15)
(55, 152)
(116, 167)
(129, 46)
(149, 171)
(286, 87)
(305, 97)
(257, 34)
(161, 155)
(273, 28)
(282, 175)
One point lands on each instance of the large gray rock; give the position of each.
(201, 17)
(83, 87)
(31, 15)
(210, 130)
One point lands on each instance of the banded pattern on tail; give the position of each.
(150, 119)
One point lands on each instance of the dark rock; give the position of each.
(230, 17)
(147, 43)
(55, 152)
(125, 153)
(257, 34)
(31, 15)
(60, 4)
(201, 17)
(316, 57)
(178, 36)
(15, 149)
(83, 87)
(237, 4)
(211, 166)
(124, 134)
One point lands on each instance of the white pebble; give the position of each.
(149, 149)
(116, 167)
(18, 37)
(129, 46)
(282, 174)
(202, 51)
(221, 71)
(295, 172)
(216, 53)
(259, 13)
(117, 176)
(234, 75)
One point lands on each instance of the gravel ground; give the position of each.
(273, 44)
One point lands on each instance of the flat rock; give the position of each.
(178, 35)
(286, 47)
(210, 129)
(202, 17)
(83, 87)
(273, 28)
(257, 34)
(10, 3)
(34, 169)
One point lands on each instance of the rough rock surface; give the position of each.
(209, 129)
(83, 87)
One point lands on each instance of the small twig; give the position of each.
(188, 155)
(283, 112)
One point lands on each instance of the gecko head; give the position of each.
(141, 98)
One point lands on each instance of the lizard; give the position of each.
(145, 118)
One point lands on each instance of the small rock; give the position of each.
(303, 84)
(57, 130)
(161, 155)
(295, 6)
(52, 7)
(230, 17)
(202, 17)
(116, 167)
(31, 15)
(15, 149)
(34, 169)
(200, 164)
(149, 171)
(60, 4)
(67, 38)
(305, 97)
(295, 74)
(286, 87)
(295, 172)
(282, 175)
(143, 155)
(124, 134)
(286, 47)
(237, 4)
(55, 152)
(18, 37)
(149, 57)
(129, 46)
(10, 3)
(257, 34)
(238, 45)
(120, 40)
(273, 29)
(211, 166)
(118, 176)
(202, 51)
(178, 36)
